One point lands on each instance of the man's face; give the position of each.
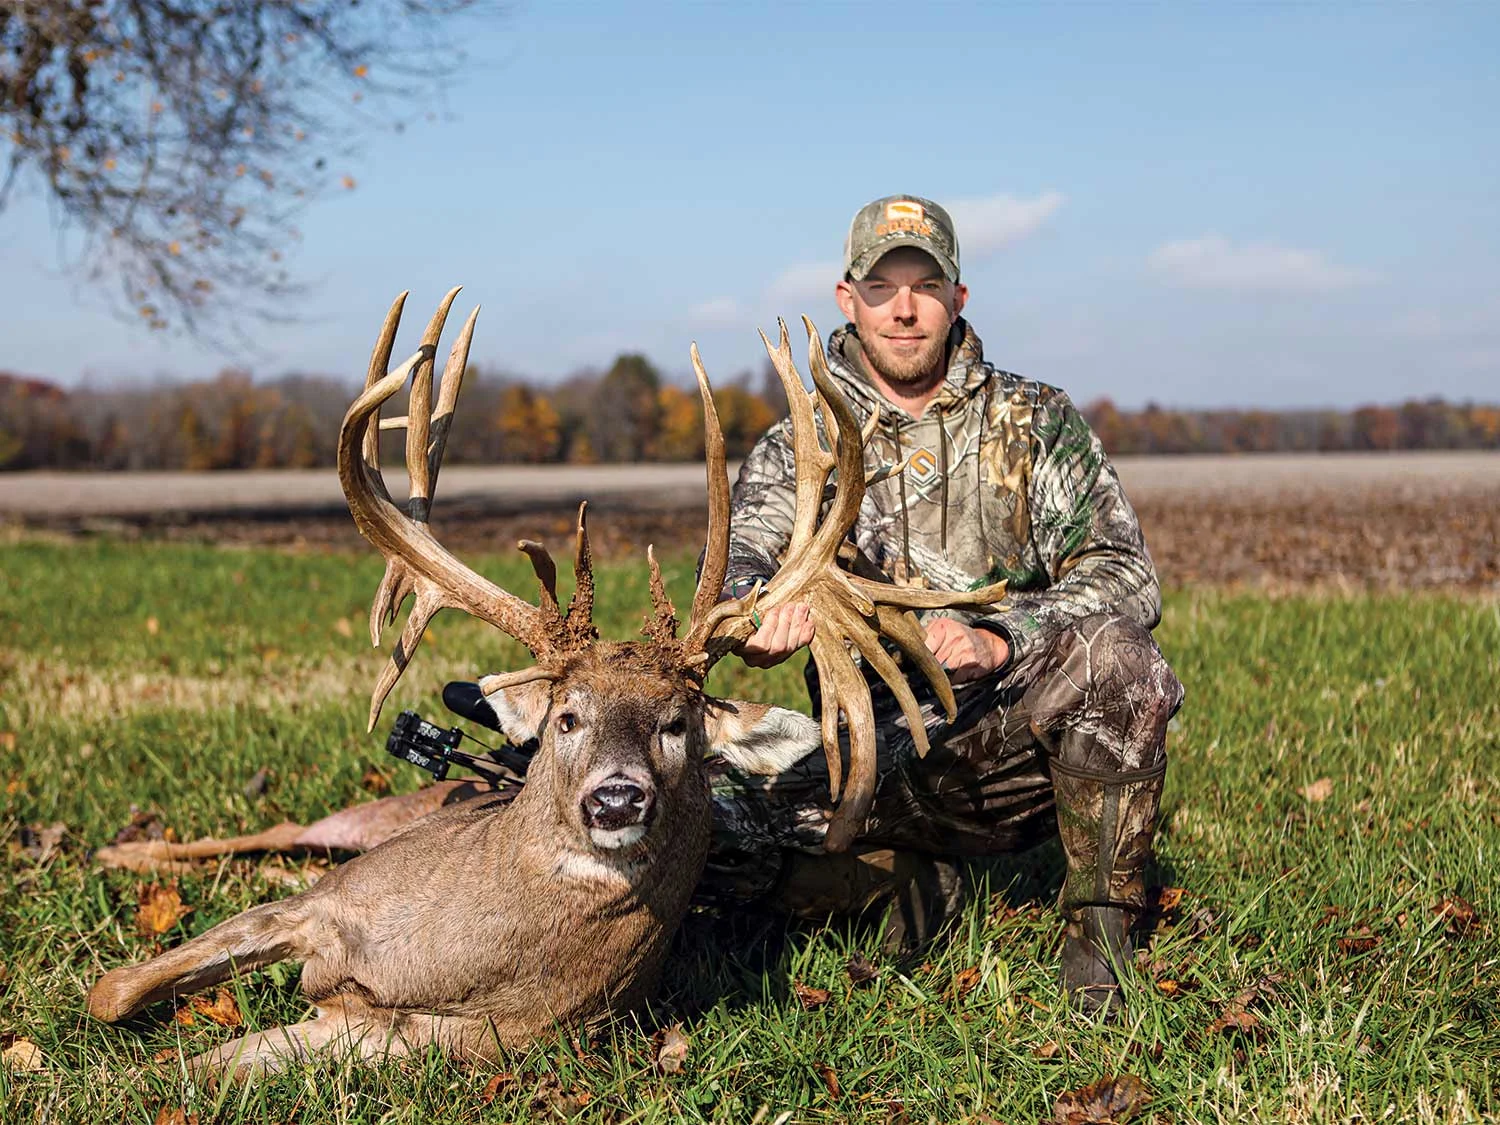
(902, 312)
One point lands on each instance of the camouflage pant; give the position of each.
(1023, 758)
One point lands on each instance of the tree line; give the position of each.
(628, 412)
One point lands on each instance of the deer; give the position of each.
(478, 924)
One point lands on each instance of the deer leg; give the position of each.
(347, 1028)
(260, 936)
(355, 829)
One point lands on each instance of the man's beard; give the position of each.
(904, 370)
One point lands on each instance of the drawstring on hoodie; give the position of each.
(901, 476)
(943, 473)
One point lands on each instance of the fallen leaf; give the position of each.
(343, 628)
(23, 1055)
(221, 1010)
(861, 969)
(1168, 898)
(1047, 1050)
(1236, 1019)
(175, 1115)
(497, 1082)
(41, 844)
(671, 1049)
(153, 626)
(552, 1094)
(1361, 939)
(1109, 1101)
(830, 1079)
(142, 826)
(159, 909)
(809, 997)
(1461, 915)
(374, 781)
(1318, 791)
(7, 740)
(965, 981)
(1169, 987)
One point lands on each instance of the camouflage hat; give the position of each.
(900, 220)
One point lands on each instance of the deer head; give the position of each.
(619, 723)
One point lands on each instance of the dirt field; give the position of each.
(1387, 522)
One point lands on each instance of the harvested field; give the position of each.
(1389, 522)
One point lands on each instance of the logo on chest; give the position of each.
(922, 467)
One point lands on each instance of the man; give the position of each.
(1063, 695)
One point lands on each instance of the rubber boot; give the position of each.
(917, 894)
(1107, 822)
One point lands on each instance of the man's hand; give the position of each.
(966, 652)
(783, 630)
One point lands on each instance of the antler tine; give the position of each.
(661, 626)
(580, 615)
(419, 414)
(380, 359)
(805, 447)
(716, 544)
(442, 415)
(544, 569)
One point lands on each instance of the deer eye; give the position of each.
(676, 728)
(566, 722)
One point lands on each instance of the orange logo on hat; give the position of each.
(904, 209)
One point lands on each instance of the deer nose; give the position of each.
(618, 803)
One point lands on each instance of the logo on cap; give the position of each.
(904, 209)
(904, 216)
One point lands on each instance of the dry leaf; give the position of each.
(153, 626)
(40, 843)
(1169, 987)
(830, 1079)
(1109, 1101)
(497, 1082)
(861, 969)
(258, 784)
(374, 781)
(142, 826)
(7, 740)
(1461, 915)
(1319, 790)
(159, 910)
(1236, 1019)
(343, 628)
(671, 1049)
(1361, 939)
(23, 1055)
(552, 1094)
(1047, 1050)
(811, 998)
(965, 981)
(1168, 898)
(221, 1010)
(175, 1115)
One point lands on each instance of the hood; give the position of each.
(967, 372)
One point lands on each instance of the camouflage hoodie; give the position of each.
(1006, 480)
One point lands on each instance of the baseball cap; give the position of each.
(900, 220)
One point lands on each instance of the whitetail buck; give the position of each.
(488, 921)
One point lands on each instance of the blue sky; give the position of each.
(1201, 205)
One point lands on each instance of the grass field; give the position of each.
(1332, 818)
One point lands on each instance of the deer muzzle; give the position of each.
(618, 810)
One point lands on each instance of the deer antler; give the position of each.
(416, 564)
(849, 611)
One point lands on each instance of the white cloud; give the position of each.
(1213, 262)
(799, 284)
(990, 224)
(717, 311)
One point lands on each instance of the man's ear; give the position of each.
(520, 707)
(758, 738)
(843, 293)
(960, 298)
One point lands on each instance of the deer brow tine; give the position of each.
(419, 414)
(442, 415)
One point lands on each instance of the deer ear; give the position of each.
(759, 738)
(519, 707)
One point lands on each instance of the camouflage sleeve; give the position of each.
(1086, 535)
(761, 511)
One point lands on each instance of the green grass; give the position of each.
(258, 661)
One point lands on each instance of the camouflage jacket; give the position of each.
(1006, 480)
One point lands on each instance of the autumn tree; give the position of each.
(680, 437)
(529, 426)
(623, 424)
(181, 139)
